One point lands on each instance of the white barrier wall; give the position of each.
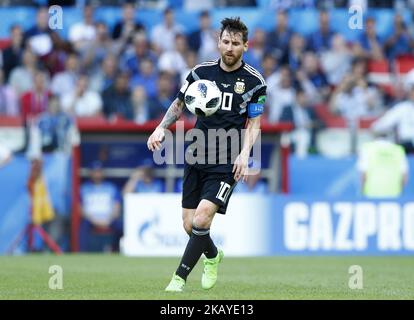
(153, 226)
(257, 225)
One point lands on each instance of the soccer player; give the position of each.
(207, 186)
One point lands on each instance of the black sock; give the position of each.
(211, 249)
(195, 247)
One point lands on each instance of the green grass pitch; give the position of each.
(118, 277)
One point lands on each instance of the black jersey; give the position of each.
(239, 88)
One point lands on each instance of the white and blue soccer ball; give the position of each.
(203, 98)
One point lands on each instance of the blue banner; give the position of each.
(324, 226)
(321, 176)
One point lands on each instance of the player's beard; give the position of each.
(230, 61)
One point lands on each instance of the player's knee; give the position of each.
(188, 225)
(202, 219)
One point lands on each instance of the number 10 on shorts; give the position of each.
(223, 192)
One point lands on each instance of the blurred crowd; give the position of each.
(133, 73)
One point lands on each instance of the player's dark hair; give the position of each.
(234, 25)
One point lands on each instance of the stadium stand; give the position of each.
(120, 142)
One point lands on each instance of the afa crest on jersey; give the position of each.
(239, 87)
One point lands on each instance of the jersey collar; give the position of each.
(241, 66)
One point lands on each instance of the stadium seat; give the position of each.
(110, 15)
(379, 73)
(7, 121)
(384, 19)
(24, 16)
(149, 18)
(404, 64)
(304, 21)
(331, 120)
(252, 16)
(365, 123)
(4, 43)
(70, 17)
(379, 66)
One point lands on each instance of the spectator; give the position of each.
(82, 102)
(384, 168)
(101, 208)
(142, 180)
(163, 35)
(305, 123)
(104, 76)
(277, 41)
(140, 105)
(21, 77)
(336, 62)
(401, 119)
(125, 28)
(8, 99)
(143, 110)
(204, 40)
(65, 81)
(41, 26)
(82, 33)
(54, 130)
(35, 101)
(320, 40)
(173, 61)
(400, 42)
(354, 97)
(98, 48)
(147, 78)
(55, 61)
(269, 65)
(281, 93)
(162, 101)
(130, 61)
(293, 56)
(12, 55)
(190, 61)
(117, 99)
(312, 79)
(37, 38)
(256, 51)
(369, 44)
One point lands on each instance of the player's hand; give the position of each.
(155, 139)
(240, 167)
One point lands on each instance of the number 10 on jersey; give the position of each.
(227, 101)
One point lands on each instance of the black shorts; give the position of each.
(214, 186)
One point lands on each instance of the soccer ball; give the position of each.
(203, 98)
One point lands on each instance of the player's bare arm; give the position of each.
(240, 166)
(173, 114)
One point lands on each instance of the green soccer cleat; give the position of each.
(209, 278)
(176, 284)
